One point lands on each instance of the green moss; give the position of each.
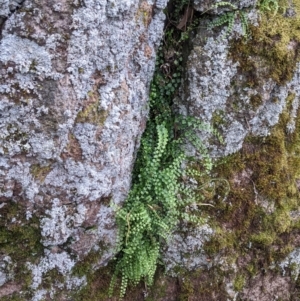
(86, 266)
(187, 290)
(14, 297)
(40, 172)
(239, 282)
(263, 238)
(97, 280)
(221, 240)
(251, 269)
(289, 100)
(272, 50)
(218, 118)
(255, 101)
(20, 239)
(255, 218)
(294, 268)
(51, 277)
(282, 220)
(14, 239)
(203, 285)
(91, 113)
(160, 287)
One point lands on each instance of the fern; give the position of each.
(268, 5)
(229, 18)
(149, 214)
(159, 196)
(223, 4)
(245, 25)
(155, 203)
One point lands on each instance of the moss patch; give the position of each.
(97, 280)
(40, 172)
(239, 283)
(255, 101)
(272, 51)
(91, 112)
(20, 240)
(255, 221)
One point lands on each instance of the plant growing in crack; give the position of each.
(230, 18)
(159, 196)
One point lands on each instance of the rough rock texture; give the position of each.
(247, 89)
(74, 83)
(219, 89)
(74, 86)
(185, 249)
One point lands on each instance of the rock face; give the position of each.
(238, 90)
(247, 88)
(74, 85)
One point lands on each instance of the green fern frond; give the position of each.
(245, 25)
(230, 17)
(269, 5)
(224, 4)
(158, 195)
(223, 19)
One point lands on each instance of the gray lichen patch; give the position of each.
(33, 58)
(185, 251)
(7, 7)
(54, 268)
(292, 262)
(55, 226)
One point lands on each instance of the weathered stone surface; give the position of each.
(248, 89)
(221, 92)
(185, 249)
(74, 86)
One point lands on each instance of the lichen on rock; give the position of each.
(74, 85)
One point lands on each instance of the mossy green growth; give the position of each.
(289, 100)
(86, 266)
(255, 101)
(40, 172)
(159, 290)
(263, 238)
(98, 280)
(239, 282)
(13, 297)
(187, 290)
(272, 51)
(91, 113)
(256, 217)
(218, 118)
(202, 284)
(20, 240)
